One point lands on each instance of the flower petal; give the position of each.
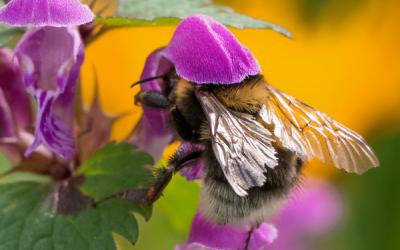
(51, 130)
(57, 13)
(315, 209)
(262, 237)
(51, 59)
(154, 133)
(209, 236)
(13, 90)
(7, 129)
(193, 169)
(204, 51)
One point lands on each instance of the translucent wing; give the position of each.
(242, 146)
(312, 133)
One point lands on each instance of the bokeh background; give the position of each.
(344, 60)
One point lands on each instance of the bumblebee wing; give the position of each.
(312, 133)
(242, 146)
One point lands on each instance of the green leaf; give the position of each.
(115, 168)
(173, 214)
(5, 166)
(136, 22)
(145, 211)
(7, 34)
(161, 12)
(27, 222)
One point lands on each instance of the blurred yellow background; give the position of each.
(344, 60)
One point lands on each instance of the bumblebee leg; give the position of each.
(183, 155)
(162, 181)
(152, 99)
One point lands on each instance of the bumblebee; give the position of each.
(255, 142)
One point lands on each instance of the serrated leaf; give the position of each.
(115, 168)
(145, 211)
(137, 22)
(161, 12)
(26, 221)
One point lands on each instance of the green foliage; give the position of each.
(161, 12)
(314, 12)
(4, 164)
(115, 168)
(17, 176)
(7, 34)
(27, 221)
(373, 218)
(30, 214)
(145, 211)
(172, 218)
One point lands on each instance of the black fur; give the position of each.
(182, 127)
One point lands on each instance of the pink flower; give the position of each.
(57, 13)
(205, 235)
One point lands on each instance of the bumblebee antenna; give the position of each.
(147, 80)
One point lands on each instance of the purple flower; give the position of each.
(15, 112)
(45, 67)
(51, 59)
(205, 235)
(313, 210)
(57, 13)
(154, 132)
(193, 169)
(204, 51)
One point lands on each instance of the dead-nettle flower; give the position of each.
(205, 235)
(204, 51)
(311, 211)
(51, 59)
(57, 13)
(153, 132)
(45, 67)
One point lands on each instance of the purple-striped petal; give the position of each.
(57, 13)
(51, 59)
(205, 51)
(153, 132)
(205, 235)
(13, 91)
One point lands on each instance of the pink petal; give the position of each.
(204, 51)
(57, 13)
